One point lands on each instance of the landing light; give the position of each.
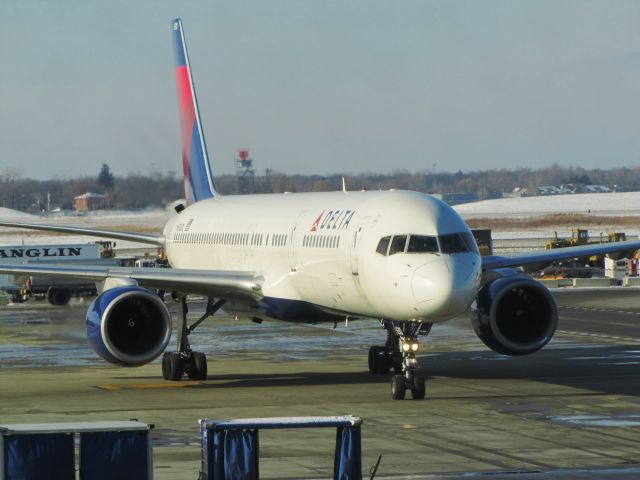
(410, 346)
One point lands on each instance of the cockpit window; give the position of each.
(397, 244)
(457, 243)
(383, 245)
(471, 242)
(422, 244)
(449, 244)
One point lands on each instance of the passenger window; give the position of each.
(397, 244)
(422, 244)
(383, 245)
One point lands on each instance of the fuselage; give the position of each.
(396, 255)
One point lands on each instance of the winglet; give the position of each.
(198, 177)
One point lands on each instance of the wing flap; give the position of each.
(236, 285)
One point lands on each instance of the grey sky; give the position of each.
(322, 86)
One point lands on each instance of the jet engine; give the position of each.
(128, 325)
(514, 315)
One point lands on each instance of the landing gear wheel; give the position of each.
(371, 360)
(166, 369)
(198, 369)
(374, 360)
(184, 360)
(379, 361)
(419, 387)
(398, 387)
(172, 366)
(397, 367)
(58, 296)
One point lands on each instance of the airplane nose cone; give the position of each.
(429, 280)
(445, 285)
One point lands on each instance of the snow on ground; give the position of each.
(597, 204)
(153, 218)
(8, 214)
(621, 203)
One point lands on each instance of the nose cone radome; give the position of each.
(445, 286)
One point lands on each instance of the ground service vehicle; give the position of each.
(57, 291)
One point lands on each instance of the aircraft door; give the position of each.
(294, 248)
(357, 235)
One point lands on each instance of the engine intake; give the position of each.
(128, 325)
(514, 315)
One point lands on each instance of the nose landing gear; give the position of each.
(399, 353)
(408, 380)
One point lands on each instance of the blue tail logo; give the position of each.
(198, 177)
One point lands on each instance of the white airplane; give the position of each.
(402, 258)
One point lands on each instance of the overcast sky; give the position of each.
(321, 86)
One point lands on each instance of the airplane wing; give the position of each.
(236, 285)
(131, 236)
(545, 257)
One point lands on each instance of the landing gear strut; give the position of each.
(399, 353)
(184, 360)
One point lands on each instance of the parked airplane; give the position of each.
(402, 258)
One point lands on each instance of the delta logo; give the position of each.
(333, 220)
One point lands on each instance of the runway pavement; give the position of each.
(569, 411)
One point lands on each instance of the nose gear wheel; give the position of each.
(404, 363)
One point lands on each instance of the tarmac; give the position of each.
(570, 411)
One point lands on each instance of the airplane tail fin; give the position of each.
(198, 176)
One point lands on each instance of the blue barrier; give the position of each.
(230, 448)
(108, 450)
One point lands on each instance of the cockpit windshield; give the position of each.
(422, 244)
(398, 243)
(451, 243)
(457, 243)
(383, 245)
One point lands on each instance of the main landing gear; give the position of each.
(399, 354)
(186, 361)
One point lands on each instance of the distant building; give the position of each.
(89, 201)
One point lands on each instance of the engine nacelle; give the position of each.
(128, 325)
(514, 315)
